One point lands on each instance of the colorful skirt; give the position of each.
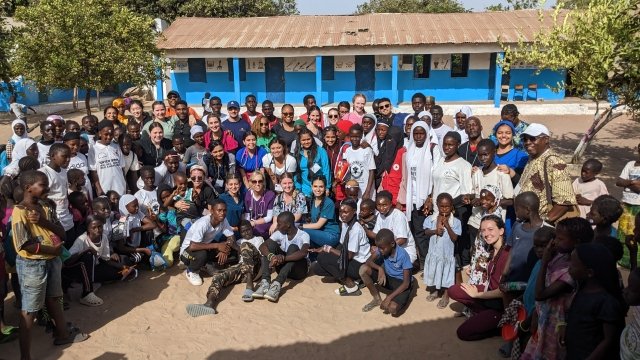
(626, 226)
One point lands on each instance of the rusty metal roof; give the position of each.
(291, 32)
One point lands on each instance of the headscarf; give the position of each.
(424, 113)
(15, 137)
(465, 109)
(117, 103)
(19, 151)
(510, 125)
(371, 138)
(194, 130)
(125, 200)
(54, 118)
(424, 166)
(494, 190)
(344, 126)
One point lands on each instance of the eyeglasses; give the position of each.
(385, 106)
(287, 114)
(257, 181)
(264, 124)
(197, 178)
(333, 116)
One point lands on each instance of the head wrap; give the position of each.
(118, 102)
(495, 191)
(195, 129)
(15, 137)
(465, 109)
(344, 125)
(19, 151)
(425, 113)
(421, 157)
(55, 118)
(125, 200)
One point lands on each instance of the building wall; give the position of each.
(478, 85)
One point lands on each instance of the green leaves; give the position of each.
(170, 9)
(92, 44)
(598, 46)
(410, 6)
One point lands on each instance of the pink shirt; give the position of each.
(353, 118)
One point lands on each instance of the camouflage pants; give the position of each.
(248, 267)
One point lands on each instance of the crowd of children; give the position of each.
(375, 200)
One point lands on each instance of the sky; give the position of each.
(343, 7)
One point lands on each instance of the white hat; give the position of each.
(536, 130)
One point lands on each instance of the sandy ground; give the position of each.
(146, 318)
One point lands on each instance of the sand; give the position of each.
(146, 318)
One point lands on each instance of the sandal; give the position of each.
(9, 330)
(370, 306)
(432, 297)
(91, 300)
(442, 304)
(75, 336)
(196, 310)
(247, 296)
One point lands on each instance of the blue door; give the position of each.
(366, 75)
(274, 77)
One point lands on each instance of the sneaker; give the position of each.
(261, 290)
(194, 278)
(274, 292)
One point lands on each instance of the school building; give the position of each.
(453, 57)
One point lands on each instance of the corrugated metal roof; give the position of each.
(291, 32)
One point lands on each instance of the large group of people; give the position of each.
(487, 216)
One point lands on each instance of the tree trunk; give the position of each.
(98, 97)
(75, 98)
(87, 101)
(599, 121)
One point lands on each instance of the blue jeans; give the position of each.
(39, 279)
(320, 238)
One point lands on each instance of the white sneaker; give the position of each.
(194, 278)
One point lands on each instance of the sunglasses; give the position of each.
(385, 106)
(333, 116)
(264, 124)
(197, 178)
(257, 181)
(287, 114)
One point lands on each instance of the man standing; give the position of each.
(308, 101)
(215, 103)
(234, 122)
(183, 126)
(267, 111)
(250, 102)
(172, 99)
(437, 125)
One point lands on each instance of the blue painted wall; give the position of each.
(477, 86)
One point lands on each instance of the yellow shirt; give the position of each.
(24, 232)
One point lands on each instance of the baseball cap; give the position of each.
(536, 130)
(173, 92)
(233, 104)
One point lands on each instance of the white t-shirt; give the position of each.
(83, 243)
(397, 222)
(301, 238)
(108, 162)
(148, 199)
(358, 242)
(58, 193)
(163, 176)
(452, 177)
(630, 172)
(131, 162)
(479, 180)
(290, 164)
(43, 153)
(203, 232)
(80, 162)
(361, 161)
(441, 132)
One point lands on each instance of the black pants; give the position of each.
(194, 260)
(462, 247)
(392, 283)
(327, 265)
(296, 270)
(88, 270)
(422, 241)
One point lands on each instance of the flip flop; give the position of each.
(370, 306)
(75, 336)
(342, 291)
(442, 304)
(9, 330)
(196, 310)
(432, 297)
(247, 296)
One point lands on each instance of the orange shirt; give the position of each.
(172, 112)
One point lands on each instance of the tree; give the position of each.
(170, 9)
(410, 6)
(598, 48)
(515, 5)
(6, 44)
(91, 44)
